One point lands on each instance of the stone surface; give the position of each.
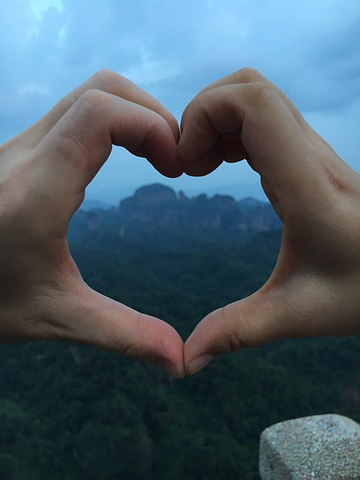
(159, 205)
(323, 447)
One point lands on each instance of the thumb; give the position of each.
(94, 319)
(253, 321)
(289, 305)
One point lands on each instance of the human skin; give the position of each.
(44, 171)
(314, 288)
(43, 175)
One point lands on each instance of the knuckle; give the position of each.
(248, 75)
(234, 341)
(108, 80)
(104, 76)
(238, 331)
(232, 338)
(259, 92)
(91, 100)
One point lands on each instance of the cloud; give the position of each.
(149, 70)
(300, 46)
(40, 7)
(174, 49)
(32, 88)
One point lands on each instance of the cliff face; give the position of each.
(159, 206)
(152, 196)
(156, 215)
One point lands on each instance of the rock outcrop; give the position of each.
(159, 206)
(156, 214)
(317, 447)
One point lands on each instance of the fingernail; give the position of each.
(199, 363)
(169, 368)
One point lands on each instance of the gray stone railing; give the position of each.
(322, 447)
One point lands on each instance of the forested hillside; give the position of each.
(77, 413)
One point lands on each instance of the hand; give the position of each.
(314, 288)
(43, 175)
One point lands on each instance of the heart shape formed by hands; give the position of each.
(45, 170)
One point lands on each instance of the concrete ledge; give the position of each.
(323, 447)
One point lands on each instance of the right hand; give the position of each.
(314, 288)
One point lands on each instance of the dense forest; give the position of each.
(78, 413)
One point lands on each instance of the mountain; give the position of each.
(75, 412)
(154, 208)
(159, 205)
(239, 190)
(92, 204)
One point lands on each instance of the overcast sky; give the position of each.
(173, 48)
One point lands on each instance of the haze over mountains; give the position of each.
(179, 217)
(112, 196)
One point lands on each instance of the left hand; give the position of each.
(43, 175)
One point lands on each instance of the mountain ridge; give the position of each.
(156, 209)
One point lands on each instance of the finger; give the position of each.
(249, 75)
(271, 138)
(106, 81)
(241, 324)
(270, 314)
(124, 331)
(70, 155)
(294, 303)
(85, 316)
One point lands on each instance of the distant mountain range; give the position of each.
(159, 205)
(112, 196)
(156, 213)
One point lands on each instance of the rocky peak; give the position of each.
(154, 195)
(157, 208)
(159, 205)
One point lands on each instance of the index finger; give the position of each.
(271, 138)
(70, 155)
(249, 75)
(106, 81)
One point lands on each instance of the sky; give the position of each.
(172, 49)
